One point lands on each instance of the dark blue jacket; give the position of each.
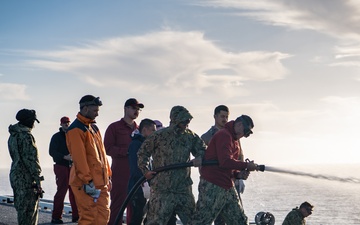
(58, 148)
(135, 172)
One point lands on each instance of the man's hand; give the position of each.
(67, 157)
(197, 162)
(251, 166)
(243, 174)
(90, 188)
(109, 185)
(149, 175)
(240, 185)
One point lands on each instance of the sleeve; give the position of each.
(145, 153)
(199, 147)
(108, 167)
(225, 157)
(31, 158)
(75, 140)
(110, 140)
(133, 159)
(116, 141)
(206, 137)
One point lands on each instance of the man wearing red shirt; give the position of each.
(117, 139)
(217, 194)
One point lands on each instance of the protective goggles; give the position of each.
(96, 101)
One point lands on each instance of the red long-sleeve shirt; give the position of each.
(225, 148)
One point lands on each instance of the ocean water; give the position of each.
(334, 190)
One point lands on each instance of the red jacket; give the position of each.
(225, 148)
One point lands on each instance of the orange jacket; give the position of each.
(87, 150)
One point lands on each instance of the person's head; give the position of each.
(159, 125)
(64, 123)
(147, 127)
(180, 117)
(27, 117)
(243, 126)
(89, 106)
(132, 108)
(306, 209)
(221, 116)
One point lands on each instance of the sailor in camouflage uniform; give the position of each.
(25, 168)
(297, 215)
(171, 190)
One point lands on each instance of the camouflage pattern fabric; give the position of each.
(163, 205)
(213, 201)
(172, 188)
(294, 217)
(24, 173)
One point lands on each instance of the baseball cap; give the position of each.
(133, 102)
(64, 119)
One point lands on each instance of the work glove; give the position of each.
(243, 174)
(90, 188)
(251, 166)
(197, 162)
(239, 185)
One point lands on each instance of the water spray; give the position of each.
(317, 176)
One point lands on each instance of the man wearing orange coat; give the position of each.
(90, 174)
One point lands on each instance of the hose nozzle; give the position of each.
(260, 168)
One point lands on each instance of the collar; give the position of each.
(84, 119)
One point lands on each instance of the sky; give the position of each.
(293, 66)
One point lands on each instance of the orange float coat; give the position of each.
(90, 163)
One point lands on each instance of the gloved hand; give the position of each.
(251, 166)
(243, 174)
(197, 162)
(90, 188)
(239, 185)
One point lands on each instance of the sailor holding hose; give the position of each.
(171, 191)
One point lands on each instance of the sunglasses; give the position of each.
(247, 132)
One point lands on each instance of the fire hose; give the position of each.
(158, 170)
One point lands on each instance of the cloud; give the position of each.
(170, 60)
(337, 18)
(347, 54)
(9, 91)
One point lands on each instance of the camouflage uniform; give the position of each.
(294, 217)
(171, 190)
(25, 173)
(214, 199)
